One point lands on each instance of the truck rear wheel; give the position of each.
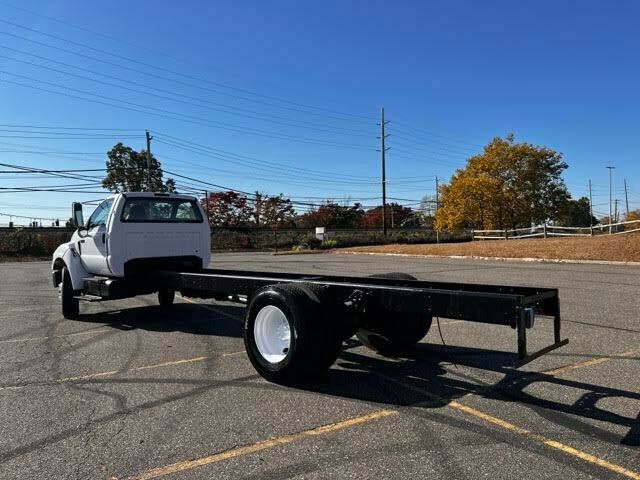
(70, 305)
(166, 297)
(288, 335)
(392, 331)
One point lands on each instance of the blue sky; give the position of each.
(233, 75)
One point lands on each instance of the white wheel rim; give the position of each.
(272, 334)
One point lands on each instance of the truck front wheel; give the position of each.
(70, 305)
(287, 334)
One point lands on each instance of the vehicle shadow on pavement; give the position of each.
(181, 317)
(418, 378)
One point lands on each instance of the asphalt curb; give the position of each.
(502, 259)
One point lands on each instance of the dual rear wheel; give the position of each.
(291, 336)
(388, 331)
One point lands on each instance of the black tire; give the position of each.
(313, 346)
(331, 325)
(392, 331)
(166, 297)
(70, 305)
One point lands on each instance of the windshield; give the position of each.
(161, 210)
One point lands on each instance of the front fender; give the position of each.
(66, 255)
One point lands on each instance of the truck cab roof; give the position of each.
(156, 194)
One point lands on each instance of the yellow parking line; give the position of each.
(115, 372)
(289, 438)
(263, 445)
(590, 362)
(31, 339)
(134, 369)
(587, 457)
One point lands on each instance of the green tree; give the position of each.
(508, 185)
(577, 214)
(127, 172)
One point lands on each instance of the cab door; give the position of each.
(93, 246)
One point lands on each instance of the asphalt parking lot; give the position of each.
(131, 390)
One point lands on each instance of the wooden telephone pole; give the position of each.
(383, 150)
(149, 137)
(626, 199)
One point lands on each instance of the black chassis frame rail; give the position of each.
(512, 306)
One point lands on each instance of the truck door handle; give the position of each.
(81, 241)
(104, 238)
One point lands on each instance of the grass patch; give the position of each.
(618, 248)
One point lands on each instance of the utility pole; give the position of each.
(206, 204)
(610, 188)
(615, 211)
(149, 137)
(383, 150)
(590, 209)
(434, 217)
(626, 199)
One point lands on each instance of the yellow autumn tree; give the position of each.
(508, 185)
(632, 215)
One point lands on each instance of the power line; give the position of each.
(28, 218)
(174, 115)
(202, 103)
(418, 152)
(427, 132)
(184, 75)
(424, 159)
(50, 127)
(57, 171)
(355, 118)
(280, 177)
(245, 159)
(44, 171)
(67, 134)
(465, 151)
(124, 42)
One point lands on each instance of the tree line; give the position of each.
(233, 209)
(127, 171)
(508, 185)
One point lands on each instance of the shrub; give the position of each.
(310, 242)
(330, 243)
(23, 242)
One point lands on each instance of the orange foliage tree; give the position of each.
(508, 185)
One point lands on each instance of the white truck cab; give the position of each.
(129, 235)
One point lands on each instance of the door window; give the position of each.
(100, 214)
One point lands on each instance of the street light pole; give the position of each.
(610, 195)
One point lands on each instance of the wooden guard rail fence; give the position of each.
(545, 230)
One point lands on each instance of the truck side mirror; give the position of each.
(76, 215)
